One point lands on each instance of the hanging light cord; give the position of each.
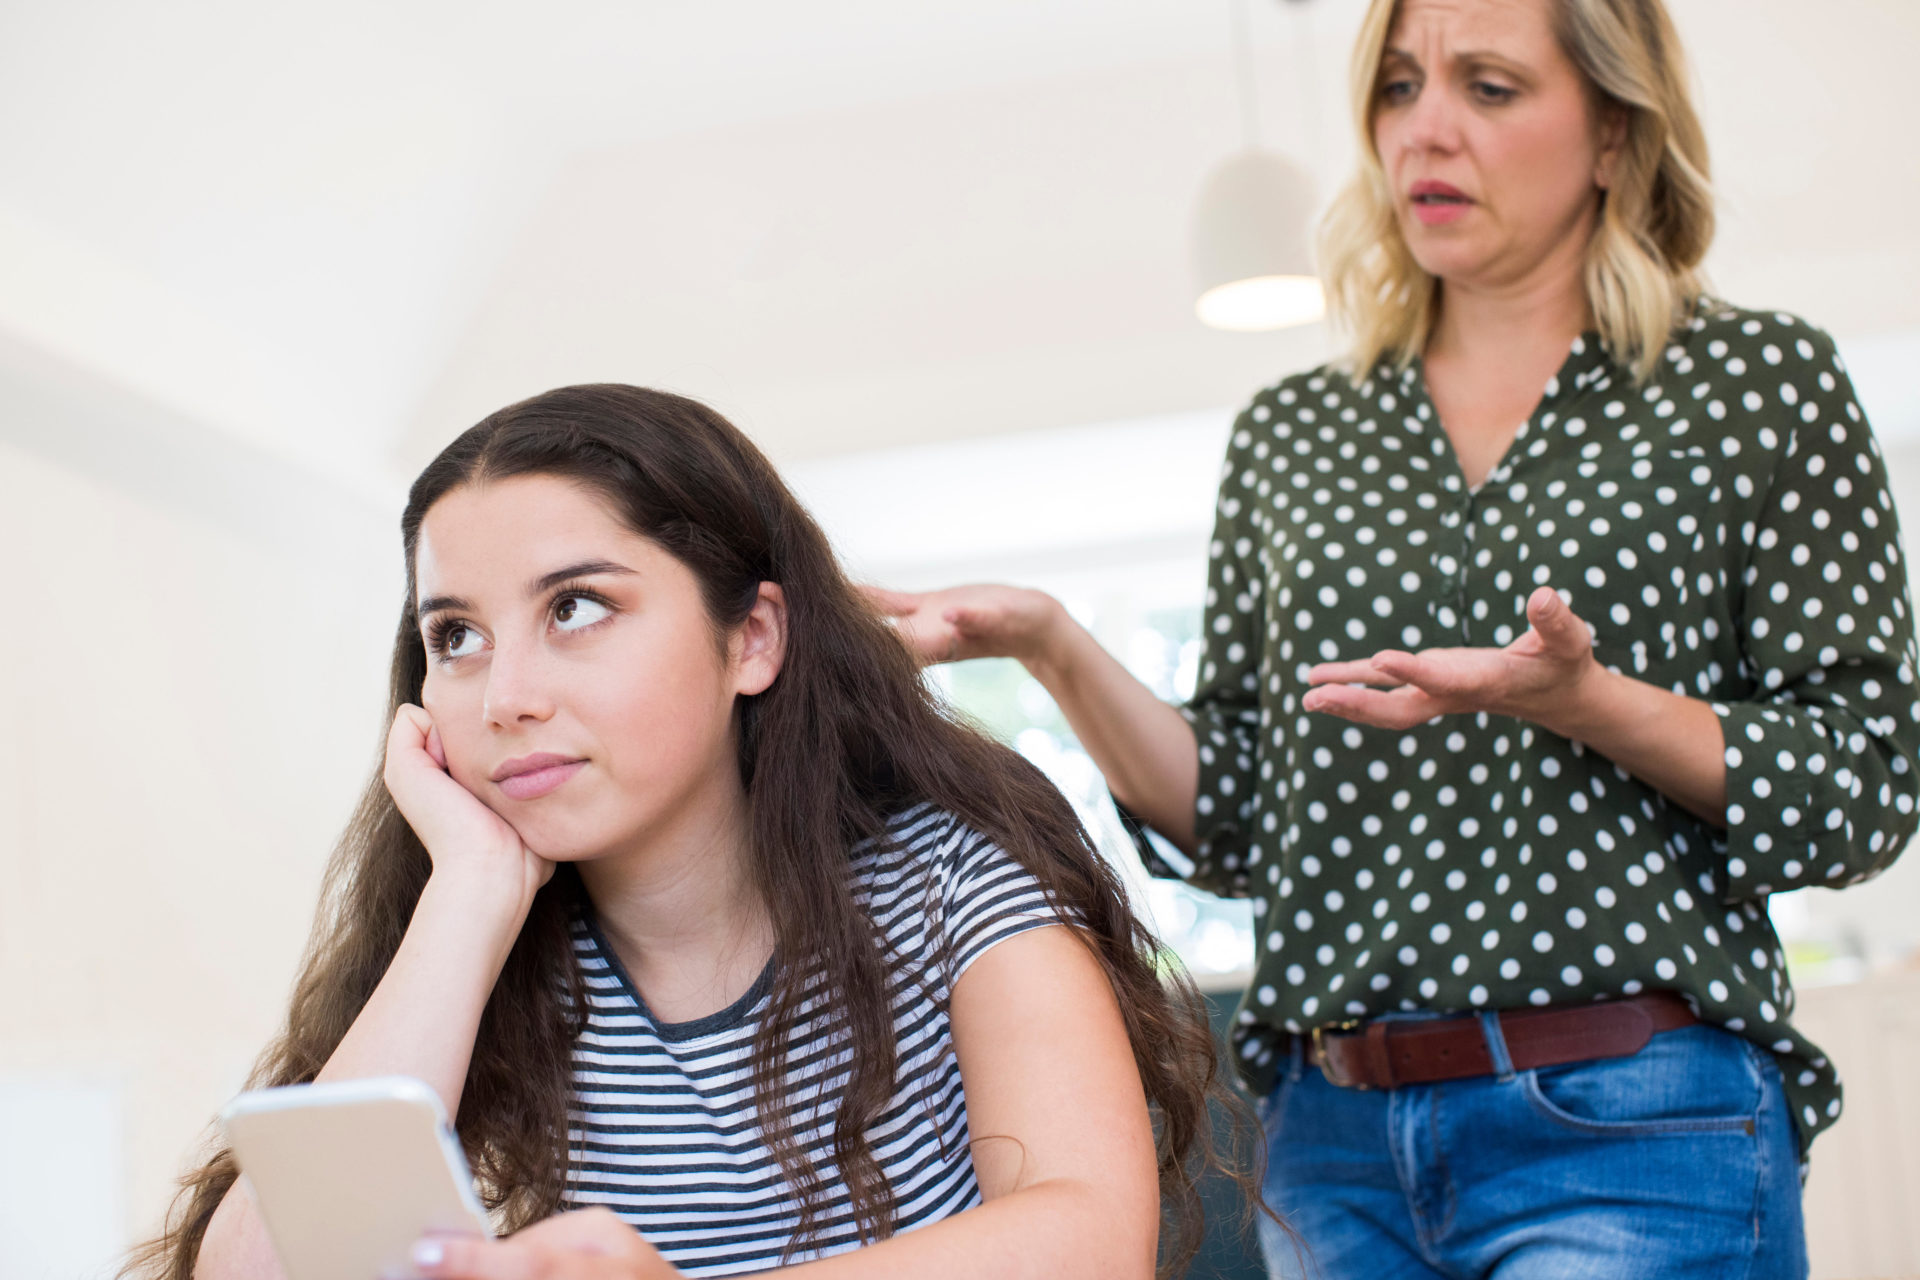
(1309, 82)
(1243, 74)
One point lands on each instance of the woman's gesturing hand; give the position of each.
(590, 1244)
(981, 621)
(462, 835)
(1546, 676)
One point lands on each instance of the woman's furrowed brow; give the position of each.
(585, 568)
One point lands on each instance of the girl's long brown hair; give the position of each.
(846, 735)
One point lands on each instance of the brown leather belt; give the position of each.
(1386, 1053)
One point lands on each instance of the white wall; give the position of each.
(192, 658)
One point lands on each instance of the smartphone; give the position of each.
(347, 1176)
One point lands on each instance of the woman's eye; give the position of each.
(572, 613)
(1492, 92)
(1395, 91)
(459, 640)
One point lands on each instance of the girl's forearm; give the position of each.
(420, 1021)
(1058, 1230)
(1670, 742)
(422, 1018)
(1144, 748)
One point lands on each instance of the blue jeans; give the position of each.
(1680, 1161)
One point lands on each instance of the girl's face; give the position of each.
(1489, 139)
(573, 673)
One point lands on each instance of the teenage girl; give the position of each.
(727, 946)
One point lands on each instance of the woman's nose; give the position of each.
(1432, 123)
(516, 688)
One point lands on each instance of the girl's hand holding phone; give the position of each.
(466, 840)
(588, 1244)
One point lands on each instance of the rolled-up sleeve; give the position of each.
(1225, 708)
(1821, 778)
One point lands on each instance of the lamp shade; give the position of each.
(1250, 255)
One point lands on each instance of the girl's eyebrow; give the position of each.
(586, 568)
(544, 583)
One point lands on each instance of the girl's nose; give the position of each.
(516, 691)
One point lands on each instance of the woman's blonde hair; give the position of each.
(1656, 217)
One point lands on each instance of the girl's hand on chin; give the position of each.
(464, 838)
(591, 1244)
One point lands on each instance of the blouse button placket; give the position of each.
(1458, 522)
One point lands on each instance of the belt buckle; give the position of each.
(1320, 1051)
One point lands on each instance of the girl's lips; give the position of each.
(535, 783)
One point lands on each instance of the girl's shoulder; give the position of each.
(933, 865)
(922, 843)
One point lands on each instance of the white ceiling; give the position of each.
(341, 232)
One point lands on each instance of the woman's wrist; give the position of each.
(1586, 710)
(1047, 653)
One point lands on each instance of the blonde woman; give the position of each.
(1545, 638)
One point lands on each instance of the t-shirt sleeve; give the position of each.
(986, 898)
(1821, 778)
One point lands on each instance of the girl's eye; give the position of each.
(572, 613)
(457, 640)
(1396, 91)
(1491, 93)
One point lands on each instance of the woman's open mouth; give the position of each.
(1438, 202)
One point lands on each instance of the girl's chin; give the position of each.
(571, 836)
(571, 844)
(570, 852)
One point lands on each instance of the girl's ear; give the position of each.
(759, 645)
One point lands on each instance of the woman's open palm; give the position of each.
(1538, 677)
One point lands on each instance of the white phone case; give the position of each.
(347, 1176)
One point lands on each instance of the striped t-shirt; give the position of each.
(663, 1127)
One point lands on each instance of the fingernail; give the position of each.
(428, 1253)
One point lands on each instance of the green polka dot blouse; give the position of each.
(1725, 528)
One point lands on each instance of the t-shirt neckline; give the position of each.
(733, 1016)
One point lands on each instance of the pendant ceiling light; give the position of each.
(1251, 260)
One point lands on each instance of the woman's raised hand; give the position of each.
(1547, 676)
(980, 621)
(462, 836)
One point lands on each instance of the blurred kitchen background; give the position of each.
(258, 262)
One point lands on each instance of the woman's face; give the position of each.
(1489, 139)
(573, 673)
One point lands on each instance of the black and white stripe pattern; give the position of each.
(663, 1128)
